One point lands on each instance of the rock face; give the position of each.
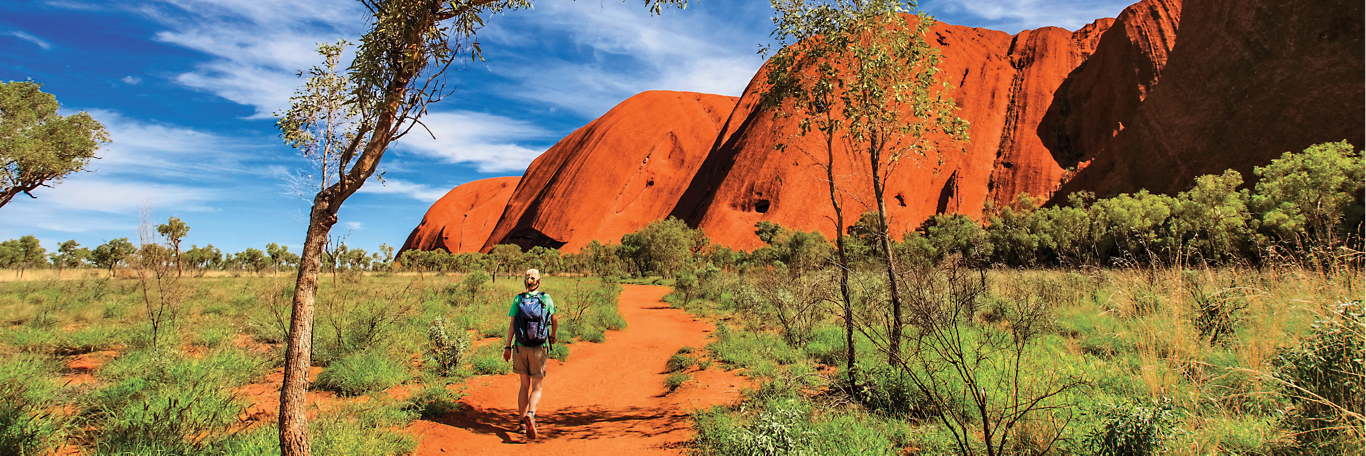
(1245, 82)
(463, 219)
(1151, 99)
(616, 174)
(1004, 86)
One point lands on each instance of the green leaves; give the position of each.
(38, 147)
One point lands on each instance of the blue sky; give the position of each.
(188, 88)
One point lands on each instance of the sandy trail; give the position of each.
(609, 398)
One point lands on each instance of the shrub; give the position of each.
(362, 373)
(488, 360)
(161, 403)
(435, 400)
(1126, 428)
(675, 380)
(1322, 377)
(26, 396)
(678, 363)
(447, 351)
(560, 352)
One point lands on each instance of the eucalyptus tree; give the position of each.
(861, 73)
(38, 147)
(344, 121)
(175, 231)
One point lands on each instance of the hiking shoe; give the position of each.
(529, 422)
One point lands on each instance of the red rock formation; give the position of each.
(616, 174)
(1245, 82)
(1004, 85)
(462, 220)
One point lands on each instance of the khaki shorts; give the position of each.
(530, 360)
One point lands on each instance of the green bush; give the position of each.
(560, 352)
(488, 360)
(1127, 428)
(1323, 378)
(675, 380)
(435, 400)
(27, 425)
(161, 403)
(678, 362)
(447, 351)
(366, 372)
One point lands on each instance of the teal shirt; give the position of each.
(545, 297)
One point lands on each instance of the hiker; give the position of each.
(528, 346)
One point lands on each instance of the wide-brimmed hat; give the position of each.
(533, 274)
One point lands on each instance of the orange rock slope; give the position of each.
(462, 220)
(1004, 86)
(614, 175)
(1245, 82)
(1150, 99)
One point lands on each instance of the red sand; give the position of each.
(608, 399)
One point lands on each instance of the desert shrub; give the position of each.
(675, 380)
(27, 425)
(1128, 428)
(434, 400)
(789, 426)
(750, 350)
(1323, 377)
(678, 362)
(364, 372)
(488, 360)
(890, 392)
(559, 352)
(161, 403)
(447, 351)
(372, 428)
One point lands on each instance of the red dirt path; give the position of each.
(609, 398)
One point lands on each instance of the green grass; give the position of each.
(1132, 336)
(178, 398)
(363, 373)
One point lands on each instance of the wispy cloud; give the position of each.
(152, 150)
(491, 143)
(30, 38)
(420, 192)
(615, 50)
(131, 80)
(257, 49)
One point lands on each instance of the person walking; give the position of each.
(531, 332)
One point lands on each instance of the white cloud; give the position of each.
(156, 150)
(131, 80)
(86, 192)
(420, 192)
(487, 141)
(30, 38)
(628, 51)
(258, 46)
(353, 226)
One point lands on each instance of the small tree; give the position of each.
(861, 74)
(38, 147)
(174, 230)
(70, 254)
(110, 254)
(23, 253)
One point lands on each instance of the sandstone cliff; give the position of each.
(616, 174)
(463, 219)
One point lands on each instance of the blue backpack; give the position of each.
(532, 322)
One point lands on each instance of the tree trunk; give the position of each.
(894, 336)
(843, 262)
(294, 435)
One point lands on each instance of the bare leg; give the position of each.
(523, 398)
(535, 396)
